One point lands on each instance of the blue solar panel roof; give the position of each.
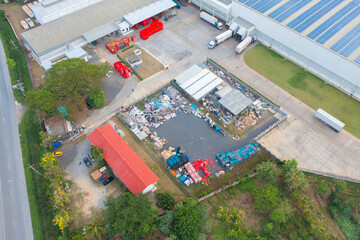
(319, 20)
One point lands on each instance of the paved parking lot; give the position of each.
(199, 140)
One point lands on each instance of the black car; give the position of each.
(107, 181)
(87, 162)
(88, 105)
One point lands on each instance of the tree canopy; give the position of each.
(132, 217)
(97, 98)
(165, 200)
(187, 221)
(268, 170)
(294, 179)
(97, 153)
(66, 83)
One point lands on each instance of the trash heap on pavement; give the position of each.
(248, 119)
(229, 159)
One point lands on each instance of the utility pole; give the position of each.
(34, 169)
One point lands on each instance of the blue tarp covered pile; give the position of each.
(229, 159)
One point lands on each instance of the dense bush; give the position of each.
(323, 189)
(165, 200)
(97, 98)
(341, 210)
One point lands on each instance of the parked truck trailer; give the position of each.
(211, 19)
(220, 38)
(244, 43)
(332, 122)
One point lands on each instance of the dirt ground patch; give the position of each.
(86, 195)
(16, 14)
(149, 65)
(165, 184)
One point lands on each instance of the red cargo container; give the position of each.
(154, 27)
(145, 22)
(122, 69)
(116, 45)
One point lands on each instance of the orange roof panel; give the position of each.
(124, 161)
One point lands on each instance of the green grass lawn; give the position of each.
(305, 86)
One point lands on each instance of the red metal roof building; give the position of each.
(125, 163)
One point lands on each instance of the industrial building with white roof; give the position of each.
(323, 36)
(67, 30)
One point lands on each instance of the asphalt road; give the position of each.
(15, 220)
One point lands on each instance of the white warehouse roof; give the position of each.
(148, 11)
(50, 10)
(198, 82)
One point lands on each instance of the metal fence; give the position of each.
(230, 78)
(271, 127)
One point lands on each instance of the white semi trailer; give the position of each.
(332, 122)
(244, 43)
(211, 19)
(220, 38)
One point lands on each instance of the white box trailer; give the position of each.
(332, 122)
(28, 11)
(211, 19)
(220, 38)
(24, 24)
(244, 43)
(30, 22)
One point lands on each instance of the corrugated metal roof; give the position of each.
(189, 73)
(99, 32)
(330, 120)
(208, 88)
(194, 79)
(225, 90)
(235, 101)
(126, 164)
(74, 25)
(148, 11)
(203, 82)
(76, 53)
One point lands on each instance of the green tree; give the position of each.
(266, 198)
(97, 98)
(132, 217)
(11, 63)
(97, 153)
(294, 179)
(78, 236)
(278, 215)
(101, 163)
(187, 220)
(340, 186)
(165, 200)
(2, 15)
(323, 189)
(165, 222)
(268, 228)
(234, 219)
(268, 170)
(71, 79)
(41, 99)
(96, 229)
